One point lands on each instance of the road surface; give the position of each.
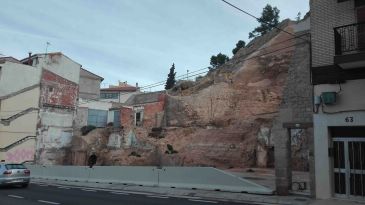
(43, 194)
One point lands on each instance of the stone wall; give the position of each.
(296, 107)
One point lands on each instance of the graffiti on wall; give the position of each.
(20, 155)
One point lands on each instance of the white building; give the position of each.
(338, 76)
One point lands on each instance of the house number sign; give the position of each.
(349, 119)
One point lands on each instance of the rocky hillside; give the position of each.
(223, 120)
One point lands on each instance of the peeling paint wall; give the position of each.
(58, 91)
(58, 102)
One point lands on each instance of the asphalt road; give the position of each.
(43, 194)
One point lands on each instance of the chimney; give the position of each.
(137, 85)
(29, 58)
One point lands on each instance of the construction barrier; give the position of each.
(205, 178)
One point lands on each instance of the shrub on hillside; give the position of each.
(86, 129)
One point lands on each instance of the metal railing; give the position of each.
(350, 38)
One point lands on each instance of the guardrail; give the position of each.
(205, 178)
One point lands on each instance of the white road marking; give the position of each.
(196, 200)
(160, 197)
(42, 184)
(48, 202)
(92, 190)
(16, 196)
(184, 197)
(120, 193)
(63, 187)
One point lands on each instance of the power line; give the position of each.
(258, 19)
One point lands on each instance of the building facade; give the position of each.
(119, 93)
(38, 107)
(338, 76)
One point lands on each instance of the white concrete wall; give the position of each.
(21, 127)
(322, 141)
(60, 65)
(15, 77)
(351, 97)
(56, 130)
(97, 105)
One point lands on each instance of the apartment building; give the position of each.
(338, 76)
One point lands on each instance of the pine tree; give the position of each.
(240, 44)
(268, 20)
(218, 60)
(170, 82)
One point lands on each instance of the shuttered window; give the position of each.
(116, 121)
(98, 118)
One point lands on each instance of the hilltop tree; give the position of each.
(218, 60)
(170, 82)
(268, 20)
(240, 44)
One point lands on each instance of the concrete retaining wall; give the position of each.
(205, 178)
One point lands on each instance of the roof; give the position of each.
(93, 74)
(50, 54)
(126, 88)
(9, 58)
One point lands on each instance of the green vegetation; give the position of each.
(134, 154)
(170, 82)
(170, 149)
(240, 44)
(218, 60)
(269, 19)
(86, 129)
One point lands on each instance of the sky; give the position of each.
(133, 40)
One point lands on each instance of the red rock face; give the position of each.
(58, 91)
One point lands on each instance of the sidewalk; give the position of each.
(336, 202)
(213, 195)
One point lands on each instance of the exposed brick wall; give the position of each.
(152, 114)
(58, 91)
(126, 117)
(325, 15)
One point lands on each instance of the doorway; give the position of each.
(349, 163)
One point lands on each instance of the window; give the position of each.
(109, 95)
(50, 89)
(98, 118)
(138, 118)
(116, 120)
(138, 115)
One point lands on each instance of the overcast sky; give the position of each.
(132, 40)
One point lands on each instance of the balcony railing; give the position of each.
(350, 38)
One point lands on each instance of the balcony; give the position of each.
(350, 46)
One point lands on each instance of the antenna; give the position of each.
(47, 44)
